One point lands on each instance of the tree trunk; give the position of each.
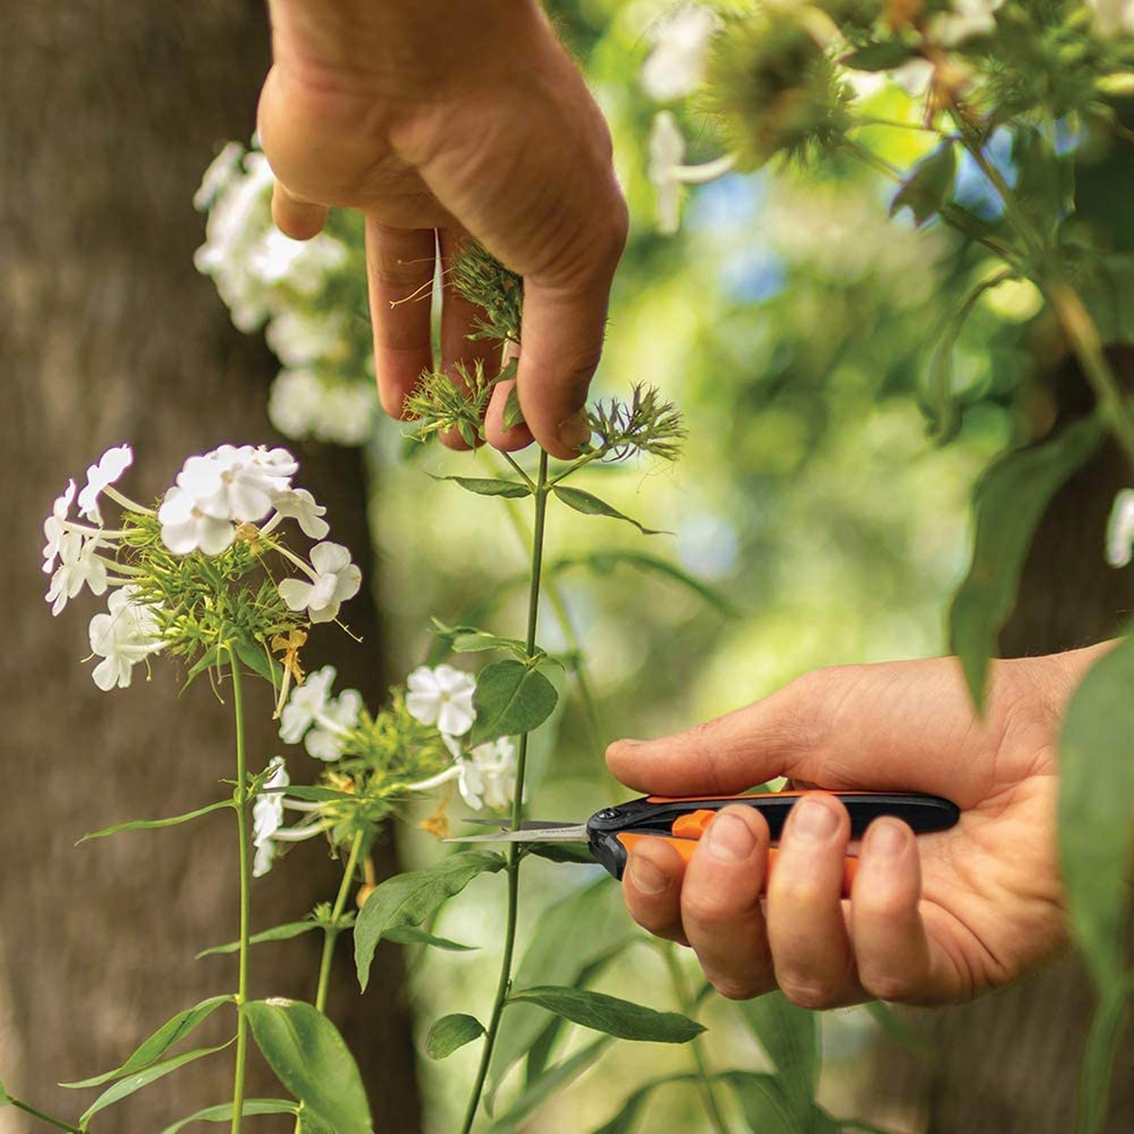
(112, 110)
(1009, 1062)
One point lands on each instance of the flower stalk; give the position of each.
(513, 864)
(245, 883)
(331, 931)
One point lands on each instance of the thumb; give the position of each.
(723, 756)
(294, 217)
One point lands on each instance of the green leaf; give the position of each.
(511, 698)
(222, 1112)
(408, 899)
(173, 1031)
(591, 505)
(1010, 501)
(472, 640)
(549, 1084)
(883, 56)
(513, 415)
(154, 824)
(411, 935)
(256, 657)
(5, 1098)
(490, 486)
(1097, 1070)
(896, 1029)
(1096, 797)
(450, 1033)
(621, 1018)
(276, 933)
(571, 935)
(623, 1122)
(603, 563)
(125, 1087)
(316, 794)
(929, 184)
(766, 1108)
(311, 1060)
(790, 1036)
(209, 658)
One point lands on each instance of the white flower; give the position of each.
(185, 527)
(301, 404)
(299, 504)
(1120, 529)
(668, 173)
(1113, 17)
(442, 697)
(218, 175)
(79, 564)
(327, 739)
(123, 637)
(300, 338)
(968, 20)
(111, 465)
(53, 526)
(488, 774)
(307, 701)
(335, 580)
(237, 482)
(676, 65)
(302, 263)
(267, 816)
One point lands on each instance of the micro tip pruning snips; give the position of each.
(612, 832)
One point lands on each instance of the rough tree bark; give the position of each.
(111, 110)
(1009, 1062)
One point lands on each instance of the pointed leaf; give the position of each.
(450, 1033)
(1096, 799)
(1107, 1027)
(896, 1029)
(408, 899)
(511, 698)
(154, 824)
(276, 933)
(562, 852)
(170, 1033)
(570, 935)
(222, 1112)
(761, 1097)
(488, 486)
(621, 1018)
(929, 184)
(125, 1087)
(5, 1098)
(311, 1060)
(1009, 502)
(411, 935)
(591, 505)
(471, 640)
(513, 415)
(549, 1084)
(254, 655)
(623, 1122)
(790, 1037)
(209, 658)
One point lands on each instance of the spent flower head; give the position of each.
(645, 424)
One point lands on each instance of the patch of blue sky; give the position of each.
(972, 189)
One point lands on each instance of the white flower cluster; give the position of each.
(265, 277)
(215, 493)
(673, 70)
(79, 554)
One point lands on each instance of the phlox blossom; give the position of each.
(109, 467)
(125, 635)
(442, 696)
(334, 580)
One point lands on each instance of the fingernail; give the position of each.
(729, 839)
(574, 433)
(647, 877)
(812, 820)
(887, 839)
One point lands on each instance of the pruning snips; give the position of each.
(611, 833)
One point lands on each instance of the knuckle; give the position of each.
(737, 987)
(807, 991)
(712, 909)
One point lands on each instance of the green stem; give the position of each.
(504, 983)
(58, 1123)
(704, 1082)
(331, 932)
(245, 881)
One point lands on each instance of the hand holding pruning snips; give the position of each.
(438, 119)
(935, 919)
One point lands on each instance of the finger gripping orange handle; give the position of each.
(686, 846)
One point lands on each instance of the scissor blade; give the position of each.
(551, 833)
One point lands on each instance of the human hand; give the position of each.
(445, 117)
(935, 919)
